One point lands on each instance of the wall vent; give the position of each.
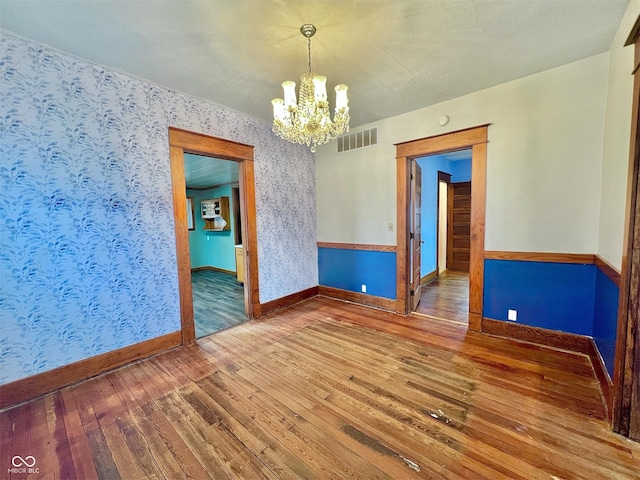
(355, 140)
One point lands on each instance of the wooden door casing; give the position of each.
(626, 404)
(475, 138)
(181, 141)
(442, 227)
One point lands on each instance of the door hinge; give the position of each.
(412, 293)
(411, 235)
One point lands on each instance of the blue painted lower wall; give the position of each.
(557, 296)
(566, 297)
(350, 269)
(605, 318)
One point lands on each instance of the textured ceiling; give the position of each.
(395, 56)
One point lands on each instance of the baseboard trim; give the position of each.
(602, 374)
(542, 336)
(475, 322)
(287, 301)
(429, 277)
(215, 269)
(25, 389)
(562, 340)
(355, 297)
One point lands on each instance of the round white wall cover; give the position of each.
(443, 120)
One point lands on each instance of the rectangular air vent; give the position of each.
(354, 140)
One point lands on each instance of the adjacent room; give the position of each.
(215, 243)
(445, 235)
(310, 239)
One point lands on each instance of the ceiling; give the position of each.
(204, 172)
(396, 56)
(457, 155)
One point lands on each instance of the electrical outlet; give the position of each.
(390, 226)
(512, 315)
(364, 288)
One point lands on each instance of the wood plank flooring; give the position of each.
(218, 301)
(446, 297)
(327, 389)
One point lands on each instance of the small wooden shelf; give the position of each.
(218, 207)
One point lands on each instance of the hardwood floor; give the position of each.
(218, 301)
(446, 297)
(327, 389)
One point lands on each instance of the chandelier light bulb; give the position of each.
(320, 88)
(341, 97)
(278, 109)
(289, 88)
(306, 120)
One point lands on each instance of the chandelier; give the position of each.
(307, 121)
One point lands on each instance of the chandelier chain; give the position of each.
(309, 50)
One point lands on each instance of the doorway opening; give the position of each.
(214, 149)
(445, 235)
(474, 139)
(444, 179)
(215, 243)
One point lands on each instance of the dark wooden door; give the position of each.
(459, 226)
(416, 241)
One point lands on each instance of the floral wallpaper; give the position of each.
(87, 247)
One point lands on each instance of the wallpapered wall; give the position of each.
(87, 257)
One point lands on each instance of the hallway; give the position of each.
(446, 297)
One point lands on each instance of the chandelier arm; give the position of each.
(308, 121)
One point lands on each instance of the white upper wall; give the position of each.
(543, 169)
(616, 142)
